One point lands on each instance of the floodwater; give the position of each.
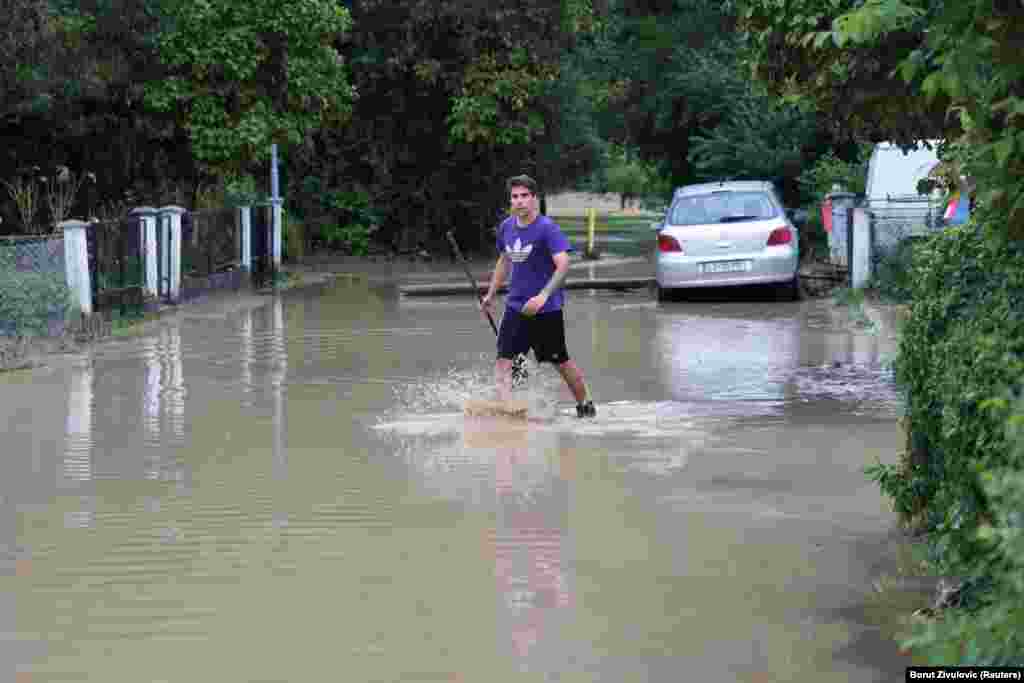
(290, 492)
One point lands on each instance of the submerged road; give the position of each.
(289, 492)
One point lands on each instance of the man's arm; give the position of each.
(557, 279)
(497, 277)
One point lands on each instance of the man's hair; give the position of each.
(521, 181)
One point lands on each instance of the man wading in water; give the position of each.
(537, 251)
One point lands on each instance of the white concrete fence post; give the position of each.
(147, 245)
(247, 238)
(172, 249)
(860, 269)
(76, 264)
(839, 237)
(276, 217)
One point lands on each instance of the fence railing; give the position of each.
(211, 251)
(150, 255)
(34, 297)
(894, 220)
(210, 242)
(117, 265)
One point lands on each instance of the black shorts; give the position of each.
(544, 333)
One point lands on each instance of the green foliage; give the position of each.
(343, 218)
(659, 75)
(249, 74)
(961, 348)
(991, 632)
(757, 140)
(28, 300)
(804, 52)
(241, 190)
(354, 238)
(893, 272)
(970, 58)
(817, 180)
(918, 70)
(493, 107)
(629, 179)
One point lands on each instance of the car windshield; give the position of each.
(722, 207)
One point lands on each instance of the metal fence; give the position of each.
(211, 250)
(104, 267)
(210, 242)
(895, 222)
(117, 265)
(34, 297)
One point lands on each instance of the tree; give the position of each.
(662, 73)
(629, 179)
(759, 139)
(795, 54)
(454, 98)
(72, 96)
(927, 68)
(246, 74)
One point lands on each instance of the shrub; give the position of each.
(341, 219)
(961, 352)
(28, 301)
(894, 270)
(991, 632)
(353, 238)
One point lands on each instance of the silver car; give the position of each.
(727, 233)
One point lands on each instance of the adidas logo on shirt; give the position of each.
(517, 252)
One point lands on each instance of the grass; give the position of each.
(606, 223)
(636, 237)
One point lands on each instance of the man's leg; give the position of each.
(573, 377)
(512, 340)
(503, 378)
(551, 348)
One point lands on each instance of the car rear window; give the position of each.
(722, 207)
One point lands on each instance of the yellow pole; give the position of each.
(593, 220)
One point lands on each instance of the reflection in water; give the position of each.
(175, 390)
(731, 358)
(528, 543)
(79, 424)
(78, 444)
(247, 350)
(152, 386)
(163, 403)
(523, 474)
(773, 365)
(278, 375)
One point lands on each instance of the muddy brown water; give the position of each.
(290, 492)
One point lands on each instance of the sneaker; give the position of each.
(586, 409)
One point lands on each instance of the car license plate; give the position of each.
(725, 267)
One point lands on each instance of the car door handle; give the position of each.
(723, 245)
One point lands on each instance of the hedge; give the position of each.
(960, 364)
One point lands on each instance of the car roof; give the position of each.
(725, 186)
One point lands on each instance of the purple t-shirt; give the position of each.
(530, 249)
